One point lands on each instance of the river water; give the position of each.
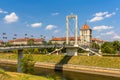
(63, 75)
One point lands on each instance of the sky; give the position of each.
(48, 18)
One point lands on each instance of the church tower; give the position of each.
(85, 35)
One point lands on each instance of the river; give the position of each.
(63, 75)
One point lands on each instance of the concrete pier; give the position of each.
(20, 56)
(72, 51)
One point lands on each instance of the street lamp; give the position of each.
(15, 35)
(4, 37)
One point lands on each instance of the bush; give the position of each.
(36, 51)
(27, 64)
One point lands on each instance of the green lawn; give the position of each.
(108, 62)
(19, 76)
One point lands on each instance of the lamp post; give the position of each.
(26, 38)
(4, 37)
(15, 35)
(25, 35)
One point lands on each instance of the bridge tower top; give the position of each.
(72, 16)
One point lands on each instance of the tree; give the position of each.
(95, 45)
(44, 42)
(49, 43)
(36, 51)
(116, 45)
(30, 42)
(27, 64)
(107, 47)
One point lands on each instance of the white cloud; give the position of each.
(55, 14)
(108, 33)
(50, 27)
(103, 27)
(96, 18)
(56, 31)
(101, 15)
(2, 11)
(117, 37)
(11, 18)
(109, 15)
(36, 24)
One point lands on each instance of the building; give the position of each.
(98, 41)
(85, 37)
(62, 40)
(24, 41)
(1, 42)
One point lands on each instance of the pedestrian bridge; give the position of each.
(9, 48)
(70, 50)
(58, 46)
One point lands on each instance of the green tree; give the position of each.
(95, 45)
(30, 42)
(29, 51)
(15, 51)
(44, 42)
(107, 47)
(27, 64)
(116, 45)
(49, 43)
(36, 51)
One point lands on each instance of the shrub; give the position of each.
(27, 64)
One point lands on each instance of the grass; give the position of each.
(3, 75)
(19, 76)
(107, 62)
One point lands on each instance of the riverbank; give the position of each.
(106, 62)
(69, 67)
(20, 76)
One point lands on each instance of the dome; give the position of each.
(85, 26)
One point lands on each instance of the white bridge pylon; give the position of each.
(76, 29)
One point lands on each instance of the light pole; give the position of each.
(4, 37)
(26, 38)
(15, 35)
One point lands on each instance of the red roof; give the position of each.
(63, 39)
(97, 40)
(1, 41)
(85, 26)
(26, 39)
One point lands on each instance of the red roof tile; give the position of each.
(26, 39)
(1, 41)
(63, 39)
(97, 40)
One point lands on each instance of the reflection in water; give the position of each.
(63, 75)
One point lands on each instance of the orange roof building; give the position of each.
(1, 42)
(85, 35)
(84, 39)
(24, 41)
(62, 40)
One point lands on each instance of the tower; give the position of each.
(85, 35)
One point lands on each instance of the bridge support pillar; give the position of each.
(72, 51)
(20, 56)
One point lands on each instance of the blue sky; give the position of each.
(47, 17)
